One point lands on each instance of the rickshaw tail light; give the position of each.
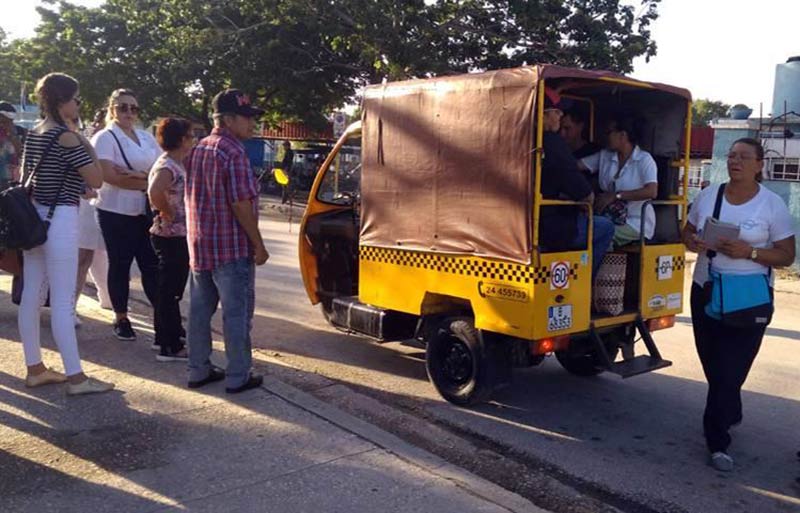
(661, 323)
(549, 345)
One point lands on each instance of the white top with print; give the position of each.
(762, 221)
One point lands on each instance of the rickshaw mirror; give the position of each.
(280, 176)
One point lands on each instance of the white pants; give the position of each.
(56, 262)
(98, 273)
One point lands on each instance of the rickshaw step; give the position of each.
(638, 365)
(378, 323)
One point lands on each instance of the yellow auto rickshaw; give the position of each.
(422, 223)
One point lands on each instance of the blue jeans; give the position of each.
(233, 285)
(602, 235)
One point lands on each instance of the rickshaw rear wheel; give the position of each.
(461, 364)
(581, 359)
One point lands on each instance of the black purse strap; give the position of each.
(27, 183)
(717, 209)
(119, 144)
(61, 130)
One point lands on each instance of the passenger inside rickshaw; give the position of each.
(566, 227)
(575, 127)
(626, 119)
(627, 178)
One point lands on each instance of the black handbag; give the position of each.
(22, 227)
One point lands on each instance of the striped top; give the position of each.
(58, 161)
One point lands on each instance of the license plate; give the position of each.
(559, 317)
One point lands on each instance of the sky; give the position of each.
(723, 50)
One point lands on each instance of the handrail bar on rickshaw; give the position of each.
(678, 202)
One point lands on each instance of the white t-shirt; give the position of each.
(762, 221)
(639, 170)
(141, 157)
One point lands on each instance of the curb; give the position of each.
(431, 463)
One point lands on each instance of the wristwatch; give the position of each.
(753, 253)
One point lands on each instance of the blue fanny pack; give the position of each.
(740, 300)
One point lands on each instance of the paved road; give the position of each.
(639, 438)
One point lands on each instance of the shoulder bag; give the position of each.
(739, 301)
(22, 227)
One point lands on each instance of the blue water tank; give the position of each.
(787, 87)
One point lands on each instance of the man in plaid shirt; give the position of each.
(224, 243)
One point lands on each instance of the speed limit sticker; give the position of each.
(559, 275)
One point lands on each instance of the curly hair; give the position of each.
(171, 132)
(53, 90)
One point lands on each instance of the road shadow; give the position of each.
(154, 445)
(603, 430)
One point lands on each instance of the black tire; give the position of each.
(582, 360)
(460, 364)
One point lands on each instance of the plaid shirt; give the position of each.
(218, 175)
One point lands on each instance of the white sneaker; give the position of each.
(89, 386)
(721, 461)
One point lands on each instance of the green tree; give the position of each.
(705, 110)
(303, 58)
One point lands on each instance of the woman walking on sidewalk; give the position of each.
(60, 162)
(126, 154)
(166, 186)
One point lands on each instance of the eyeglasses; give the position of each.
(127, 107)
(741, 156)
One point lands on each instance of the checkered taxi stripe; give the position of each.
(465, 266)
(678, 262)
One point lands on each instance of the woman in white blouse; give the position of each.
(628, 177)
(126, 154)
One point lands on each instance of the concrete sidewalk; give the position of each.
(154, 445)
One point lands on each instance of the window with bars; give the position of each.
(787, 170)
(695, 176)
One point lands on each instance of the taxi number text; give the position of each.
(503, 292)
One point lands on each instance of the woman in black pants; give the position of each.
(126, 154)
(168, 234)
(766, 240)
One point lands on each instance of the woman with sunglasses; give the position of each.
(59, 163)
(126, 154)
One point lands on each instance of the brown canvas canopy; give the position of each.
(446, 162)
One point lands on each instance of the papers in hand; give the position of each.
(714, 230)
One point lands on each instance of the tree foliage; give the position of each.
(302, 58)
(705, 110)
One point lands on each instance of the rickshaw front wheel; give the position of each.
(460, 363)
